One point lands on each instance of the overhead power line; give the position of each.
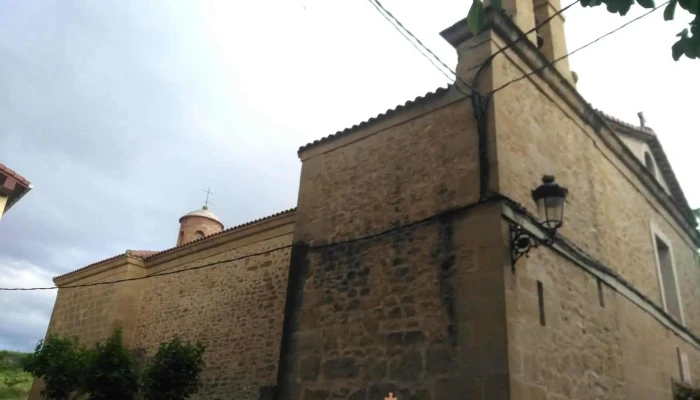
(269, 251)
(535, 29)
(401, 28)
(551, 64)
(262, 253)
(416, 46)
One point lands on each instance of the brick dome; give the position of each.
(198, 224)
(203, 212)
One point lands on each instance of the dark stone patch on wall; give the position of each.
(445, 257)
(375, 317)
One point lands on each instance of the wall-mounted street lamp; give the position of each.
(550, 198)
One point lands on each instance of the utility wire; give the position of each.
(262, 253)
(394, 24)
(401, 28)
(535, 29)
(550, 64)
(393, 229)
(319, 246)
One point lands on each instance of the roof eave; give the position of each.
(14, 199)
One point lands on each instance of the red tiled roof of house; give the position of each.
(7, 171)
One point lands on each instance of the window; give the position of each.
(198, 234)
(670, 295)
(649, 163)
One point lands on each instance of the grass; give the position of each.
(14, 385)
(14, 382)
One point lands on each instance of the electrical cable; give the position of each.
(535, 29)
(319, 246)
(399, 26)
(550, 64)
(410, 41)
(393, 229)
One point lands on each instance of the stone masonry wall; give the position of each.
(585, 350)
(91, 313)
(404, 173)
(606, 213)
(419, 312)
(235, 309)
(396, 312)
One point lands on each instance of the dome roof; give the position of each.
(203, 212)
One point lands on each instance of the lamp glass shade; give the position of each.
(552, 209)
(550, 199)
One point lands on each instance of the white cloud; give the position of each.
(24, 316)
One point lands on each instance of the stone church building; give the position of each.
(403, 268)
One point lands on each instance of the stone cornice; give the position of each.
(120, 263)
(513, 213)
(245, 231)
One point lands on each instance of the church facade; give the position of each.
(402, 268)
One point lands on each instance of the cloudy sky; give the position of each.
(122, 112)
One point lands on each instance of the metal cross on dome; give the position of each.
(208, 192)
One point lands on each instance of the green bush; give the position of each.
(110, 371)
(60, 362)
(173, 374)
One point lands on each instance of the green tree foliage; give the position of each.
(110, 371)
(173, 373)
(60, 363)
(11, 360)
(688, 42)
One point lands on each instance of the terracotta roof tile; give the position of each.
(90, 265)
(410, 103)
(233, 228)
(134, 253)
(140, 253)
(145, 254)
(8, 171)
(644, 130)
